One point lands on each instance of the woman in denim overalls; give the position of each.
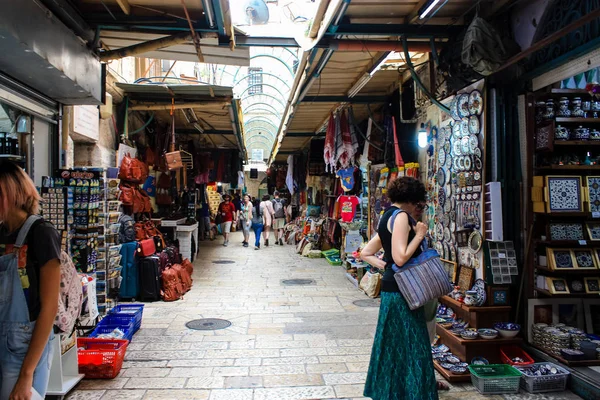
(25, 348)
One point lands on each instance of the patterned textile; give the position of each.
(345, 149)
(330, 149)
(401, 366)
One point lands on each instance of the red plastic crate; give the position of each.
(100, 358)
(507, 353)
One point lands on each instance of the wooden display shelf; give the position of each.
(569, 271)
(582, 363)
(545, 292)
(449, 376)
(569, 91)
(568, 243)
(578, 120)
(478, 317)
(569, 167)
(577, 142)
(469, 349)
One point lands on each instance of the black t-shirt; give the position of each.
(42, 245)
(388, 283)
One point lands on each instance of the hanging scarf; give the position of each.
(330, 149)
(353, 136)
(345, 149)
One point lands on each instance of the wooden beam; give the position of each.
(145, 47)
(163, 106)
(124, 4)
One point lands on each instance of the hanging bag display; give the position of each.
(173, 158)
(146, 247)
(423, 277)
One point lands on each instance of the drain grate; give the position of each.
(366, 303)
(298, 282)
(208, 324)
(223, 262)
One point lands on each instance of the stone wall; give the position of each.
(252, 185)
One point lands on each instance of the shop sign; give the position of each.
(86, 122)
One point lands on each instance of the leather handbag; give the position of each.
(140, 231)
(174, 161)
(127, 194)
(423, 277)
(133, 170)
(146, 247)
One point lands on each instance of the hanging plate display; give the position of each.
(465, 147)
(441, 177)
(441, 198)
(447, 206)
(447, 147)
(456, 132)
(452, 224)
(474, 125)
(454, 109)
(456, 148)
(478, 164)
(478, 152)
(446, 219)
(475, 242)
(468, 163)
(447, 236)
(475, 103)
(464, 127)
(442, 156)
(438, 247)
(463, 106)
(439, 232)
(477, 177)
(448, 177)
(473, 143)
(448, 164)
(461, 163)
(452, 253)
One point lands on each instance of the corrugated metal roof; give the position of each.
(181, 92)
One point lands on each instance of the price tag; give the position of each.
(501, 255)
(583, 242)
(596, 214)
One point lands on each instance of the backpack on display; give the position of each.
(71, 292)
(127, 229)
(278, 207)
(483, 49)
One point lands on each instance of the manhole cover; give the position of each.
(366, 303)
(223, 262)
(298, 282)
(208, 324)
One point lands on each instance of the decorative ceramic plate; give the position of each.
(564, 193)
(447, 147)
(458, 370)
(448, 177)
(441, 177)
(479, 286)
(478, 152)
(464, 126)
(448, 164)
(475, 103)
(478, 164)
(447, 206)
(465, 148)
(438, 247)
(441, 197)
(447, 234)
(454, 108)
(473, 143)
(456, 132)
(446, 219)
(469, 197)
(447, 366)
(441, 156)
(563, 259)
(474, 125)
(593, 184)
(463, 106)
(475, 196)
(452, 254)
(584, 258)
(439, 232)
(476, 175)
(457, 148)
(475, 242)
(461, 163)
(468, 163)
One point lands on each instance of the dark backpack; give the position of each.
(127, 229)
(278, 208)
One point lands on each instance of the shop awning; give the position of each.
(206, 110)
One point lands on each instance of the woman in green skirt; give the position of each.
(401, 366)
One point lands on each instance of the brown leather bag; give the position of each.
(140, 231)
(133, 170)
(186, 279)
(127, 194)
(189, 267)
(172, 289)
(174, 161)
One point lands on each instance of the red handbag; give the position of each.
(127, 194)
(146, 247)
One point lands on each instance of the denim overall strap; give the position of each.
(25, 230)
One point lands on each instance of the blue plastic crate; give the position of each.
(135, 310)
(127, 321)
(105, 329)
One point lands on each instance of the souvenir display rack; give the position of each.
(563, 128)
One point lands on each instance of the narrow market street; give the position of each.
(285, 342)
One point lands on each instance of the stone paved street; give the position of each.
(285, 342)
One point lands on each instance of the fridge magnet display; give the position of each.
(557, 285)
(593, 229)
(592, 316)
(560, 258)
(567, 231)
(499, 295)
(592, 285)
(564, 194)
(593, 189)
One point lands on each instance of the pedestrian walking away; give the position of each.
(30, 278)
(257, 223)
(268, 212)
(245, 218)
(228, 217)
(279, 218)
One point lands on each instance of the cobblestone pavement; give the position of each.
(285, 342)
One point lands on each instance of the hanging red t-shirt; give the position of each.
(348, 207)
